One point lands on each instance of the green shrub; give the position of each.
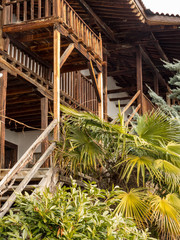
(70, 213)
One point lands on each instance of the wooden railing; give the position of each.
(147, 105)
(80, 89)
(26, 10)
(30, 62)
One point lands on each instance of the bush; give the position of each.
(70, 213)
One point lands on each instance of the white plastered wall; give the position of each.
(23, 140)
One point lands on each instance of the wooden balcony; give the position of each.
(46, 13)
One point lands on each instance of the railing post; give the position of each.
(3, 88)
(57, 42)
(105, 85)
(139, 78)
(100, 104)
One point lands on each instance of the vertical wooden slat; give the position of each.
(11, 13)
(18, 11)
(32, 9)
(44, 124)
(3, 89)
(39, 8)
(46, 8)
(25, 11)
(56, 81)
(156, 84)
(105, 85)
(100, 87)
(139, 78)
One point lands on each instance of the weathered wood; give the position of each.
(100, 103)
(133, 114)
(139, 79)
(131, 102)
(44, 124)
(57, 48)
(45, 92)
(119, 98)
(66, 54)
(150, 63)
(93, 76)
(159, 48)
(26, 156)
(3, 89)
(108, 32)
(26, 180)
(156, 84)
(105, 85)
(120, 90)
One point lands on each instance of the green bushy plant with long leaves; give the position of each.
(70, 213)
(149, 150)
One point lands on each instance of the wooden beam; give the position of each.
(119, 98)
(26, 180)
(105, 85)
(107, 31)
(156, 84)
(139, 78)
(120, 90)
(44, 124)
(45, 92)
(31, 25)
(155, 70)
(83, 51)
(159, 48)
(66, 54)
(3, 89)
(93, 76)
(57, 48)
(100, 103)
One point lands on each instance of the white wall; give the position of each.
(23, 139)
(112, 110)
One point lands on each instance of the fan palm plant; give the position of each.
(149, 150)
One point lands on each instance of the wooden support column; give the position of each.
(57, 45)
(156, 84)
(3, 89)
(139, 79)
(44, 124)
(100, 103)
(105, 85)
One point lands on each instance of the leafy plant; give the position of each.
(71, 213)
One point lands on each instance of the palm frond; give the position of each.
(156, 128)
(166, 215)
(141, 165)
(133, 205)
(171, 173)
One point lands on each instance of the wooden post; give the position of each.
(139, 79)
(105, 85)
(100, 87)
(156, 84)
(44, 124)
(3, 88)
(57, 42)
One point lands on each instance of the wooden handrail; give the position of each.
(82, 20)
(26, 156)
(57, 9)
(26, 180)
(131, 102)
(133, 114)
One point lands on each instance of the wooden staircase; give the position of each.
(19, 178)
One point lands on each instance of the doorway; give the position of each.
(11, 150)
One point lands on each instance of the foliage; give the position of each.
(71, 213)
(146, 153)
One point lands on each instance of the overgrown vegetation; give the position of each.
(146, 156)
(70, 213)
